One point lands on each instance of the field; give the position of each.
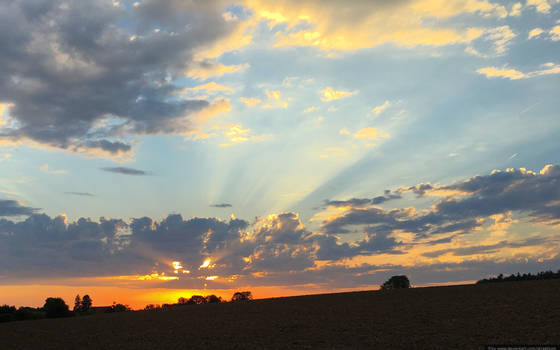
(454, 317)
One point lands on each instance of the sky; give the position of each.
(164, 148)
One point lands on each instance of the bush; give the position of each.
(119, 308)
(56, 307)
(396, 282)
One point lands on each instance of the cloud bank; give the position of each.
(470, 231)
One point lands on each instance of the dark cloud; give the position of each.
(88, 75)
(278, 249)
(488, 248)
(221, 205)
(10, 207)
(84, 194)
(126, 171)
(360, 202)
(517, 190)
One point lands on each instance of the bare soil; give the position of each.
(454, 317)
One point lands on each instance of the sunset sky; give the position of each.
(159, 148)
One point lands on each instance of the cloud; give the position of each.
(209, 68)
(344, 131)
(494, 72)
(446, 241)
(516, 9)
(126, 171)
(274, 100)
(92, 88)
(10, 207)
(211, 86)
(500, 39)
(366, 24)
(310, 109)
(512, 74)
(329, 94)
(465, 205)
(535, 33)
(378, 109)
(221, 205)
(237, 134)
(369, 134)
(555, 33)
(82, 194)
(45, 168)
(541, 6)
(250, 101)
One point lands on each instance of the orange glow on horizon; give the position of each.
(34, 295)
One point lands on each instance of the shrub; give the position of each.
(396, 282)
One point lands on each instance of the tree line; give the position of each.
(199, 299)
(56, 307)
(544, 275)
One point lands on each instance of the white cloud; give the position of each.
(329, 94)
(513, 74)
(45, 168)
(500, 39)
(555, 33)
(516, 10)
(535, 33)
(250, 101)
(378, 109)
(310, 109)
(541, 6)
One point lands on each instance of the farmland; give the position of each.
(465, 317)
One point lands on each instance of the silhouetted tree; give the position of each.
(119, 308)
(56, 307)
(7, 313)
(396, 282)
(77, 303)
(213, 299)
(197, 300)
(86, 303)
(242, 296)
(182, 300)
(151, 307)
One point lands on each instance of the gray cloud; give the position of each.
(84, 194)
(125, 171)
(10, 207)
(360, 202)
(279, 249)
(221, 205)
(485, 249)
(534, 194)
(78, 80)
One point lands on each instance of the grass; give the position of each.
(453, 317)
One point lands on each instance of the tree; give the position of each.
(182, 300)
(396, 282)
(77, 303)
(213, 299)
(197, 300)
(151, 307)
(86, 303)
(242, 296)
(119, 308)
(56, 307)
